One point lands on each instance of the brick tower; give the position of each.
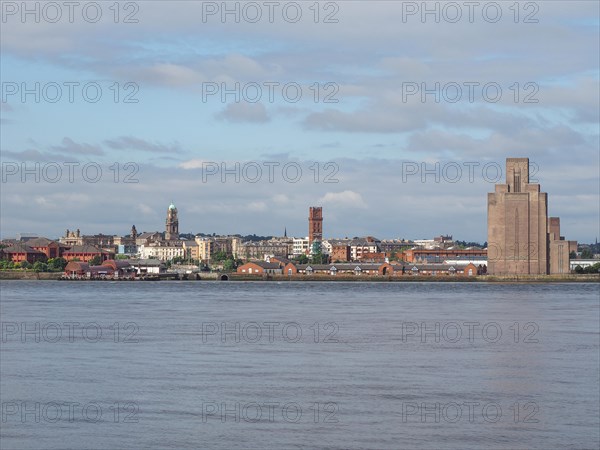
(315, 224)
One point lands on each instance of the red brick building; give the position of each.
(50, 248)
(86, 253)
(290, 269)
(121, 268)
(78, 269)
(278, 259)
(340, 252)
(260, 268)
(440, 254)
(470, 270)
(20, 252)
(373, 257)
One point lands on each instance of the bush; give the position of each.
(96, 261)
(57, 264)
(40, 266)
(6, 264)
(593, 269)
(589, 269)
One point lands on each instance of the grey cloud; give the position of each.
(457, 208)
(560, 142)
(133, 143)
(362, 121)
(30, 155)
(70, 147)
(244, 112)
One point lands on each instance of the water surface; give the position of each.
(299, 365)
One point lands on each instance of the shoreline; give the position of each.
(570, 278)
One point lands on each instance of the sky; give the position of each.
(395, 117)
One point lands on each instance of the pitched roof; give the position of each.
(339, 243)
(40, 242)
(266, 265)
(76, 266)
(146, 262)
(21, 248)
(438, 267)
(100, 269)
(117, 263)
(147, 234)
(351, 266)
(84, 249)
(281, 259)
(314, 266)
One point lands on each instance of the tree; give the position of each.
(586, 253)
(229, 265)
(40, 266)
(219, 256)
(592, 269)
(121, 256)
(96, 261)
(25, 265)
(317, 253)
(178, 260)
(302, 259)
(572, 255)
(319, 258)
(6, 264)
(57, 264)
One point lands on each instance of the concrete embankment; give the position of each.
(425, 278)
(28, 275)
(568, 278)
(31, 275)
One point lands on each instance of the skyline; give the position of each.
(411, 173)
(364, 110)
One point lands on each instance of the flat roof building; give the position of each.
(521, 239)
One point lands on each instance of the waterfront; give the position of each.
(299, 364)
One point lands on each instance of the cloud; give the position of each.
(194, 164)
(457, 208)
(533, 142)
(169, 74)
(344, 199)
(70, 147)
(257, 206)
(145, 209)
(281, 199)
(133, 143)
(244, 112)
(170, 52)
(28, 155)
